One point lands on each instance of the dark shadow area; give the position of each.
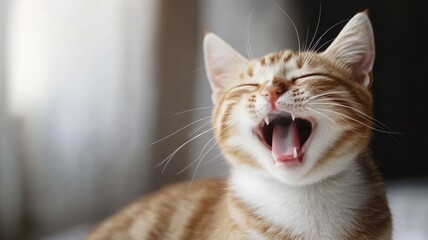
(399, 85)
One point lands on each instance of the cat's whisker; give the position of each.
(196, 159)
(247, 35)
(172, 134)
(198, 128)
(359, 122)
(332, 99)
(325, 94)
(192, 110)
(198, 69)
(378, 126)
(328, 30)
(199, 162)
(316, 29)
(202, 157)
(305, 47)
(335, 126)
(322, 45)
(322, 114)
(308, 57)
(376, 122)
(292, 22)
(218, 155)
(193, 161)
(168, 159)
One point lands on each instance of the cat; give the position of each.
(295, 128)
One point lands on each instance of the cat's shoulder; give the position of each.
(187, 190)
(159, 207)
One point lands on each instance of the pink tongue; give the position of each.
(284, 140)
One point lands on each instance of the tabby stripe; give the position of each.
(299, 62)
(288, 56)
(117, 224)
(250, 71)
(223, 135)
(374, 217)
(163, 219)
(243, 158)
(243, 88)
(350, 86)
(357, 93)
(373, 220)
(273, 58)
(198, 217)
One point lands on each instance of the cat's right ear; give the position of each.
(221, 60)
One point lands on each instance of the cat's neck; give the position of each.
(323, 208)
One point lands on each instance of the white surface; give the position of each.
(409, 205)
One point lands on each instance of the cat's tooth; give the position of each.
(294, 152)
(266, 119)
(292, 116)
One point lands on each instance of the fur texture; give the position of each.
(295, 127)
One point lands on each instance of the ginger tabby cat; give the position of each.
(295, 128)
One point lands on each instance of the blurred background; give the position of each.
(87, 87)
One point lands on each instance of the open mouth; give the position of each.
(285, 136)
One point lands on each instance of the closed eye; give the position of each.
(248, 85)
(237, 87)
(312, 75)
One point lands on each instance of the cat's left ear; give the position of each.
(221, 60)
(354, 47)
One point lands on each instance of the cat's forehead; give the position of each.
(285, 64)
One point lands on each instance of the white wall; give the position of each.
(80, 83)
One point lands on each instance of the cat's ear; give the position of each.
(354, 47)
(221, 60)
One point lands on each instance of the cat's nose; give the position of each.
(272, 94)
(273, 91)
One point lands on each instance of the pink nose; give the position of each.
(272, 94)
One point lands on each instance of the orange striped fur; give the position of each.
(329, 189)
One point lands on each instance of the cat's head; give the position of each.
(297, 116)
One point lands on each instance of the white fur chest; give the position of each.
(319, 211)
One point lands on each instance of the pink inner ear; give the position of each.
(365, 69)
(215, 79)
(354, 46)
(221, 60)
(366, 64)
